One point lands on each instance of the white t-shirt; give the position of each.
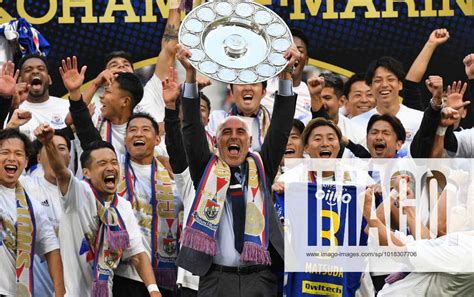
(465, 140)
(353, 131)
(45, 242)
(48, 196)
(152, 101)
(79, 206)
(142, 191)
(303, 102)
(185, 187)
(435, 255)
(118, 135)
(52, 111)
(410, 118)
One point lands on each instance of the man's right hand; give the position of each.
(104, 78)
(171, 88)
(450, 115)
(278, 187)
(315, 86)
(469, 66)
(44, 133)
(19, 118)
(72, 79)
(438, 37)
(434, 84)
(183, 55)
(21, 93)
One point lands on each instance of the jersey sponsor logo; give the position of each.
(56, 120)
(318, 288)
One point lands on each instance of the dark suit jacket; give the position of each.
(272, 151)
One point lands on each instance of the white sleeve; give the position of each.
(185, 187)
(77, 197)
(133, 230)
(215, 118)
(46, 240)
(451, 253)
(152, 101)
(465, 140)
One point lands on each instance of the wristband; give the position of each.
(152, 288)
(290, 70)
(441, 130)
(435, 106)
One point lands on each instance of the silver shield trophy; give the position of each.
(237, 42)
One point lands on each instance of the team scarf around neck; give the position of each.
(164, 223)
(202, 223)
(111, 238)
(105, 129)
(263, 121)
(25, 242)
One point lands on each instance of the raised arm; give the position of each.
(8, 78)
(104, 78)
(468, 61)
(274, 145)
(451, 115)
(418, 68)
(174, 138)
(411, 93)
(194, 135)
(373, 221)
(424, 137)
(81, 117)
(315, 87)
(45, 133)
(169, 41)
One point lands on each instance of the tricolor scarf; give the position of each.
(200, 233)
(263, 121)
(25, 243)
(105, 129)
(110, 240)
(164, 223)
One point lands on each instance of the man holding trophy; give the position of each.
(232, 237)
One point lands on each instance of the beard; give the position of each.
(38, 95)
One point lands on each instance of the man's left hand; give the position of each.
(8, 78)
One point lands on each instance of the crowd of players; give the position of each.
(146, 187)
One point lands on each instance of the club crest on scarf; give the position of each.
(157, 218)
(200, 233)
(169, 244)
(211, 209)
(107, 245)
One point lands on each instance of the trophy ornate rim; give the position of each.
(235, 42)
